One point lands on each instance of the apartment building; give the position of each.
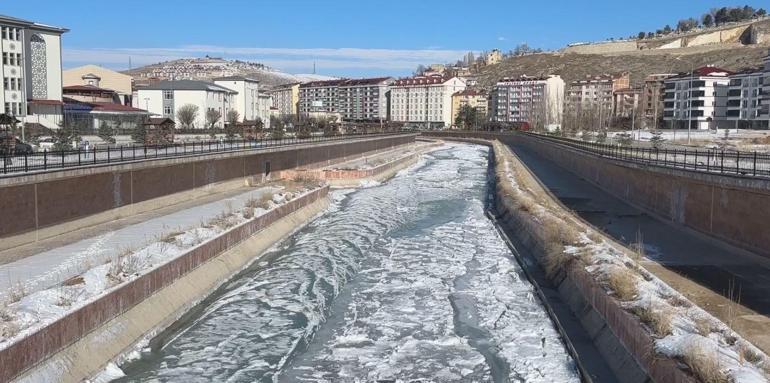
(699, 98)
(319, 97)
(166, 97)
(31, 68)
(473, 98)
(531, 100)
(765, 107)
(264, 105)
(246, 100)
(596, 92)
(653, 93)
(286, 98)
(364, 99)
(744, 100)
(626, 102)
(424, 100)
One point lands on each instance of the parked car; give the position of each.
(46, 144)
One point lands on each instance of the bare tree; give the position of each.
(187, 114)
(212, 117)
(232, 116)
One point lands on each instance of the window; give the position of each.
(7, 105)
(167, 111)
(5, 58)
(5, 34)
(168, 94)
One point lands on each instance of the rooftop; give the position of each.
(31, 24)
(188, 85)
(235, 78)
(706, 71)
(422, 80)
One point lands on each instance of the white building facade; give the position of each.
(765, 107)
(532, 100)
(698, 98)
(164, 99)
(364, 99)
(246, 100)
(32, 71)
(744, 100)
(423, 100)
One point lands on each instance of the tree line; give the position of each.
(715, 17)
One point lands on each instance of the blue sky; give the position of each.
(343, 37)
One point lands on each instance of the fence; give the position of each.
(749, 164)
(61, 159)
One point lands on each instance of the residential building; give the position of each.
(765, 107)
(286, 98)
(473, 98)
(88, 107)
(364, 99)
(163, 99)
(31, 68)
(319, 97)
(699, 97)
(627, 102)
(652, 98)
(246, 101)
(424, 100)
(102, 78)
(595, 93)
(744, 100)
(264, 103)
(493, 57)
(531, 100)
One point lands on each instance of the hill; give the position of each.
(573, 66)
(207, 68)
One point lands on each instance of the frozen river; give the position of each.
(405, 281)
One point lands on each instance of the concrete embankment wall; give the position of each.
(79, 344)
(620, 337)
(40, 203)
(731, 208)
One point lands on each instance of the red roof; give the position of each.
(45, 102)
(705, 72)
(421, 80)
(87, 88)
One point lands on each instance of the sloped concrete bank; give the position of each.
(624, 343)
(83, 342)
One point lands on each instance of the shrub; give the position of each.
(704, 363)
(658, 319)
(623, 283)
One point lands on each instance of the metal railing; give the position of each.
(747, 164)
(62, 159)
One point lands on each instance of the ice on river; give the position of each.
(403, 281)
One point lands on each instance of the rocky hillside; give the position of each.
(572, 66)
(208, 68)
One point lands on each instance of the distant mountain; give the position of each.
(207, 68)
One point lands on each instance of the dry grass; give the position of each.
(704, 364)
(74, 281)
(638, 247)
(223, 220)
(8, 329)
(703, 326)
(16, 292)
(678, 301)
(659, 319)
(624, 283)
(749, 353)
(557, 235)
(170, 237)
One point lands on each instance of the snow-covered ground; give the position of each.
(63, 279)
(405, 280)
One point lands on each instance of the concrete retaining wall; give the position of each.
(730, 208)
(39, 202)
(63, 333)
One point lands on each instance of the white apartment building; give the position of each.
(166, 97)
(699, 97)
(31, 68)
(246, 101)
(424, 100)
(319, 97)
(364, 99)
(765, 107)
(286, 98)
(264, 103)
(744, 100)
(532, 100)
